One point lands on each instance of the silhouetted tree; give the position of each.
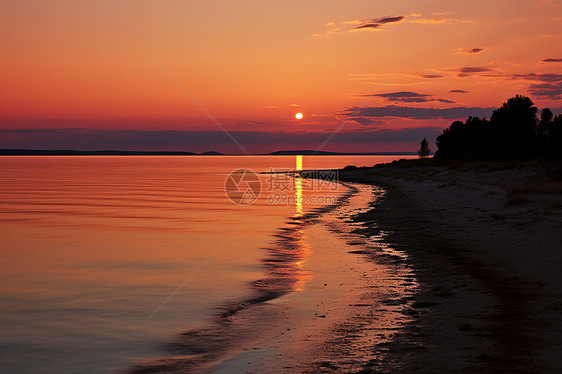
(448, 142)
(546, 115)
(424, 150)
(544, 129)
(513, 131)
(513, 127)
(546, 122)
(464, 140)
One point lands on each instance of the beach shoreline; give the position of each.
(326, 302)
(472, 268)
(310, 312)
(484, 246)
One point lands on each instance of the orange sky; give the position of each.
(253, 64)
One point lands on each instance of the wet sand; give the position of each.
(321, 306)
(439, 271)
(486, 245)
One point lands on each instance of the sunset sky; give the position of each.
(100, 74)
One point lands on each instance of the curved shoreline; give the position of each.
(202, 349)
(478, 306)
(324, 304)
(488, 303)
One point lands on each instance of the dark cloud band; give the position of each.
(419, 113)
(88, 139)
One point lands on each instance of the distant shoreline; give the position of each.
(65, 152)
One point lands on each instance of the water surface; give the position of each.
(104, 258)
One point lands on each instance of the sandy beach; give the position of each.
(418, 269)
(485, 245)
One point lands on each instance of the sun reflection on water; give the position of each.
(299, 163)
(298, 188)
(298, 196)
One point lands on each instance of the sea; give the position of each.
(106, 259)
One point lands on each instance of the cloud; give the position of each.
(473, 69)
(465, 71)
(361, 24)
(431, 76)
(468, 51)
(458, 91)
(547, 77)
(379, 22)
(551, 60)
(544, 85)
(551, 91)
(391, 19)
(418, 113)
(399, 96)
(365, 121)
(490, 73)
(368, 26)
(410, 97)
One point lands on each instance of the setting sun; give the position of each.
(299, 115)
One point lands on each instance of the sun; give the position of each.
(299, 115)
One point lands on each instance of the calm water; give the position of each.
(105, 258)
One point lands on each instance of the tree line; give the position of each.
(514, 131)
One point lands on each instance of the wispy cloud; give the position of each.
(418, 113)
(378, 24)
(431, 76)
(458, 91)
(552, 91)
(465, 71)
(410, 97)
(369, 26)
(543, 85)
(547, 60)
(469, 51)
(404, 96)
(546, 77)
